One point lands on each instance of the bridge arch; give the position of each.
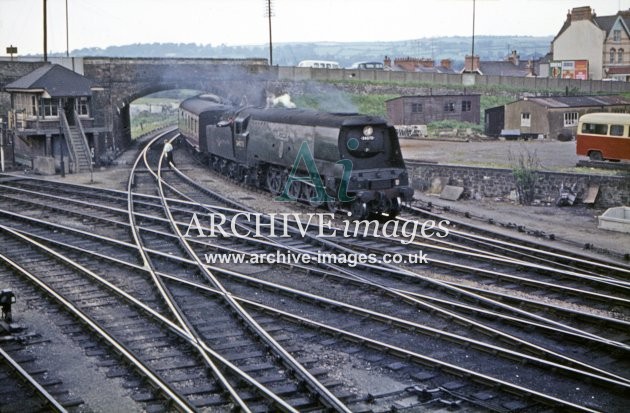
(124, 80)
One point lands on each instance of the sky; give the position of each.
(103, 23)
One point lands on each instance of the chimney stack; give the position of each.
(475, 63)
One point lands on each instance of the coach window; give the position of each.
(570, 119)
(595, 128)
(466, 105)
(416, 108)
(616, 130)
(449, 107)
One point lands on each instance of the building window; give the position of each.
(49, 107)
(466, 105)
(33, 106)
(449, 107)
(82, 107)
(416, 108)
(612, 55)
(617, 35)
(525, 119)
(571, 119)
(620, 56)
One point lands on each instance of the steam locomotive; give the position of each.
(346, 161)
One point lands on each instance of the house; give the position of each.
(424, 109)
(554, 117)
(600, 45)
(51, 120)
(511, 66)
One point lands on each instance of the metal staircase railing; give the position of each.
(67, 136)
(86, 147)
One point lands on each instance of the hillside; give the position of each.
(289, 54)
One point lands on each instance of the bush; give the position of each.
(524, 168)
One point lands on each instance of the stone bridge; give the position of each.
(120, 81)
(124, 80)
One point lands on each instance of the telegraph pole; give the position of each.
(472, 59)
(45, 35)
(67, 37)
(269, 14)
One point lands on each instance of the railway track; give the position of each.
(370, 316)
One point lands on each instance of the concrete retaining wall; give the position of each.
(493, 183)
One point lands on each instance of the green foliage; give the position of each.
(306, 101)
(525, 165)
(434, 127)
(371, 104)
(145, 122)
(491, 101)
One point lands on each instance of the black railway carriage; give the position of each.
(195, 113)
(357, 157)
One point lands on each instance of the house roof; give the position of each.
(434, 96)
(434, 69)
(503, 68)
(578, 101)
(605, 23)
(55, 80)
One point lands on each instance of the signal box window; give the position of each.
(82, 106)
(49, 107)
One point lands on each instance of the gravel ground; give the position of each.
(553, 155)
(573, 226)
(577, 225)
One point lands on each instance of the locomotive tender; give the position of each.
(357, 157)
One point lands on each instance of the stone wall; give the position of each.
(499, 183)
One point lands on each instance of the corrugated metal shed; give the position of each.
(578, 101)
(56, 80)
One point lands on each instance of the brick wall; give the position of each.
(493, 182)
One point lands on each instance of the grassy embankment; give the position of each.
(373, 104)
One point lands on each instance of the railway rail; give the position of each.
(472, 339)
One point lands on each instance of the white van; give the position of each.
(367, 66)
(319, 64)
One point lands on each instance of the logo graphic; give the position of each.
(314, 179)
